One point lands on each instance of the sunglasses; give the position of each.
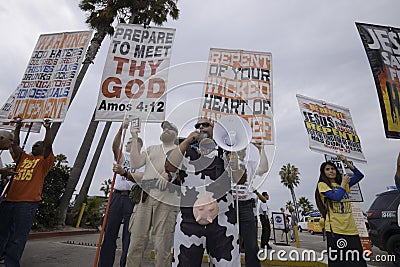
(204, 124)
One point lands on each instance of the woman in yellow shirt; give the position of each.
(333, 201)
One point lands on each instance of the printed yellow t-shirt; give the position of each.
(27, 184)
(340, 216)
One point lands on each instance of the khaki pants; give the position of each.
(159, 217)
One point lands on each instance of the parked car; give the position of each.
(313, 225)
(384, 230)
(303, 223)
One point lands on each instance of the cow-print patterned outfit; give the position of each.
(205, 175)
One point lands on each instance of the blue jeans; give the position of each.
(121, 208)
(248, 231)
(15, 224)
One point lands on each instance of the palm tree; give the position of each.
(290, 178)
(61, 159)
(106, 187)
(305, 205)
(102, 14)
(288, 205)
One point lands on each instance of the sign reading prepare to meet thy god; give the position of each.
(135, 74)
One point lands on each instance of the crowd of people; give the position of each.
(191, 196)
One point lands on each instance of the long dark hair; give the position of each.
(322, 178)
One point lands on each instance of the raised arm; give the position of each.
(263, 166)
(357, 175)
(345, 161)
(175, 157)
(137, 159)
(15, 149)
(117, 139)
(260, 196)
(234, 166)
(48, 140)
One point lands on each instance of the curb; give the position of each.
(37, 235)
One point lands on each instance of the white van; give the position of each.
(303, 224)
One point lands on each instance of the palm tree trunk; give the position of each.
(294, 202)
(77, 169)
(90, 173)
(80, 160)
(91, 53)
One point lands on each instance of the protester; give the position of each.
(121, 206)
(6, 140)
(256, 197)
(285, 231)
(155, 211)
(265, 222)
(333, 201)
(22, 200)
(294, 221)
(207, 216)
(246, 201)
(6, 172)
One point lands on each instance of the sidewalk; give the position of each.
(63, 231)
(80, 238)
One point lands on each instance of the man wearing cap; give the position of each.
(121, 206)
(157, 209)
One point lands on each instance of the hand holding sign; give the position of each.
(6, 140)
(135, 132)
(345, 180)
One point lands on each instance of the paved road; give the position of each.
(72, 251)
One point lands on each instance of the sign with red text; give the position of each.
(135, 74)
(239, 83)
(382, 45)
(6, 124)
(47, 84)
(330, 128)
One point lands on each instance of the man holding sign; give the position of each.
(22, 200)
(121, 206)
(156, 210)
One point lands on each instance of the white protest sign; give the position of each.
(47, 84)
(330, 128)
(240, 83)
(134, 80)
